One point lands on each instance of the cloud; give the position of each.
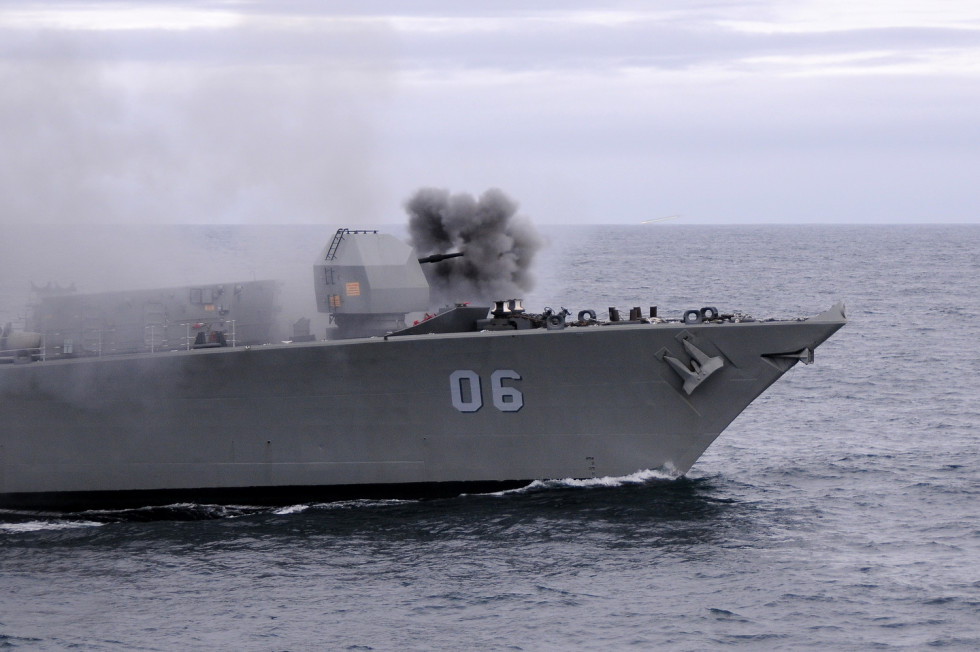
(114, 129)
(336, 112)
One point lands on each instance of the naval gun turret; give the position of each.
(368, 282)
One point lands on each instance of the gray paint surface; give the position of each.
(597, 400)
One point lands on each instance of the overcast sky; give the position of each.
(584, 112)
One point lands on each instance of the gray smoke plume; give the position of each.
(499, 245)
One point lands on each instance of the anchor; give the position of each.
(702, 366)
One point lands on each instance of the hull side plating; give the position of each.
(411, 415)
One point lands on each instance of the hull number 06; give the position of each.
(467, 393)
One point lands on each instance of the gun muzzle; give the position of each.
(435, 258)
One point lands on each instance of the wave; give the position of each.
(636, 478)
(34, 521)
(27, 521)
(46, 526)
(340, 504)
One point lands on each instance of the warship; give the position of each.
(186, 394)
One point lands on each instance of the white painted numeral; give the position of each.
(467, 395)
(463, 403)
(506, 399)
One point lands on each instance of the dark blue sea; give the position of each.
(840, 511)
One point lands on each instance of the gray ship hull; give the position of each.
(397, 416)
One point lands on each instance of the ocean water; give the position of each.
(841, 510)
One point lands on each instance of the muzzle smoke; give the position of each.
(499, 245)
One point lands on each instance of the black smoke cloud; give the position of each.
(499, 245)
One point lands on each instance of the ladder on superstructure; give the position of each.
(337, 239)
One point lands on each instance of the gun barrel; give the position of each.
(435, 258)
